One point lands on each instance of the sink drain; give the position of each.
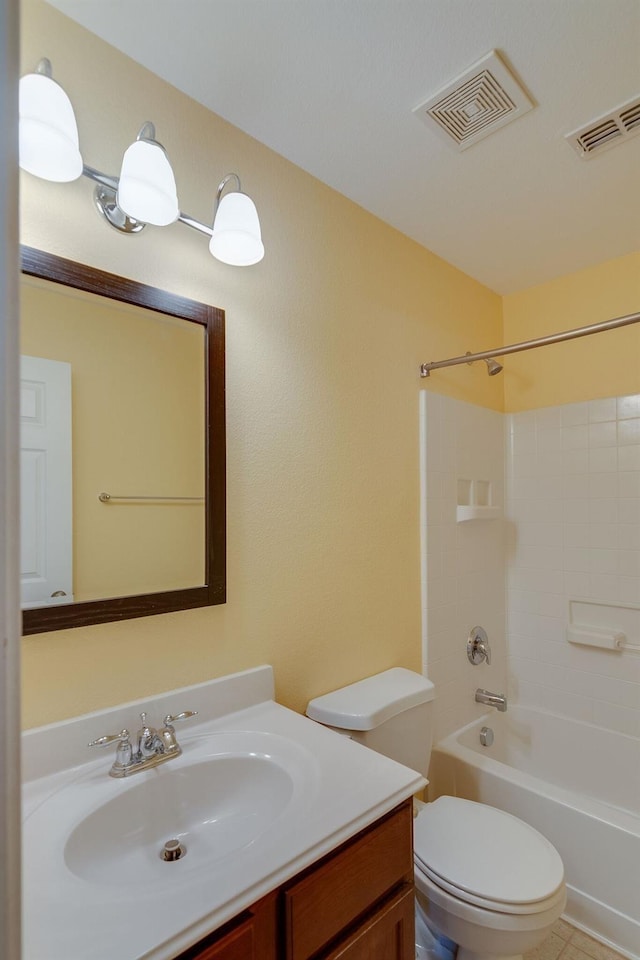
(172, 850)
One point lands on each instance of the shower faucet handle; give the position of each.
(478, 648)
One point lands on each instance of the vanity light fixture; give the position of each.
(48, 130)
(147, 187)
(145, 191)
(235, 238)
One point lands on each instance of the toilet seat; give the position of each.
(482, 903)
(470, 850)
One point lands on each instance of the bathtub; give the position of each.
(579, 785)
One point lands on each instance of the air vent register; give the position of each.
(609, 130)
(478, 102)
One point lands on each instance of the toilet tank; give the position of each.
(390, 712)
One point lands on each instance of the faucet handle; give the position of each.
(143, 721)
(478, 648)
(122, 737)
(124, 753)
(168, 733)
(148, 742)
(186, 715)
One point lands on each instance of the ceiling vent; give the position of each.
(610, 129)
(477, 103)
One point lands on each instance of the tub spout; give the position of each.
(498, 700)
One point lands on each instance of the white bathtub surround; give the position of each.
(463, 560)
(573, 510)
(571, 570)
(572, 556)
(572, 536)
(588, 808)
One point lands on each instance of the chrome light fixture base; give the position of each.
(105, 200)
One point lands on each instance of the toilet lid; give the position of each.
(485, 853)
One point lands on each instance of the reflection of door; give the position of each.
(45, 481)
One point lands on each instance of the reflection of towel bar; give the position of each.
(108, 498)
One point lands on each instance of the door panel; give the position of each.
(46, 566)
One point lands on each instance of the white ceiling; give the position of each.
(331, 85)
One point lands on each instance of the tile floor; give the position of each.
(568, 943)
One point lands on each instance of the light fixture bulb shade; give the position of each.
(236, 238)
(147, 187)
(48, 133)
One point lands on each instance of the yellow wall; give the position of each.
(324, 341)
(128, 365)
(603, 365)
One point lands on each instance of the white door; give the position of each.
(46, 566)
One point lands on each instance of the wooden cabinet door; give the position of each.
(388, 935)
(237, 945)
(253, 938)
(334, 895)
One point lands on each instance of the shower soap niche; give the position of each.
(604, 624)
(475, 501)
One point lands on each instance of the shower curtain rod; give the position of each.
(426, 368)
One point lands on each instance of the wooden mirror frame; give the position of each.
(47, 266)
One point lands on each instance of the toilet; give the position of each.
(484, 879)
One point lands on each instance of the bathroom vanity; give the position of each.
(296, 842)
(356, 902)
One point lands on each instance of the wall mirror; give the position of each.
(122, 448)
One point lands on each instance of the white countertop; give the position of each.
(340, 787)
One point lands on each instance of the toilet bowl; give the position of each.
(484, 879)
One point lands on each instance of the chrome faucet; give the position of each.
(152, 746)
(148, 742)
(498, 700)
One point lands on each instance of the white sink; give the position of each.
(214, 806)
(258, 794)
(223, 794)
